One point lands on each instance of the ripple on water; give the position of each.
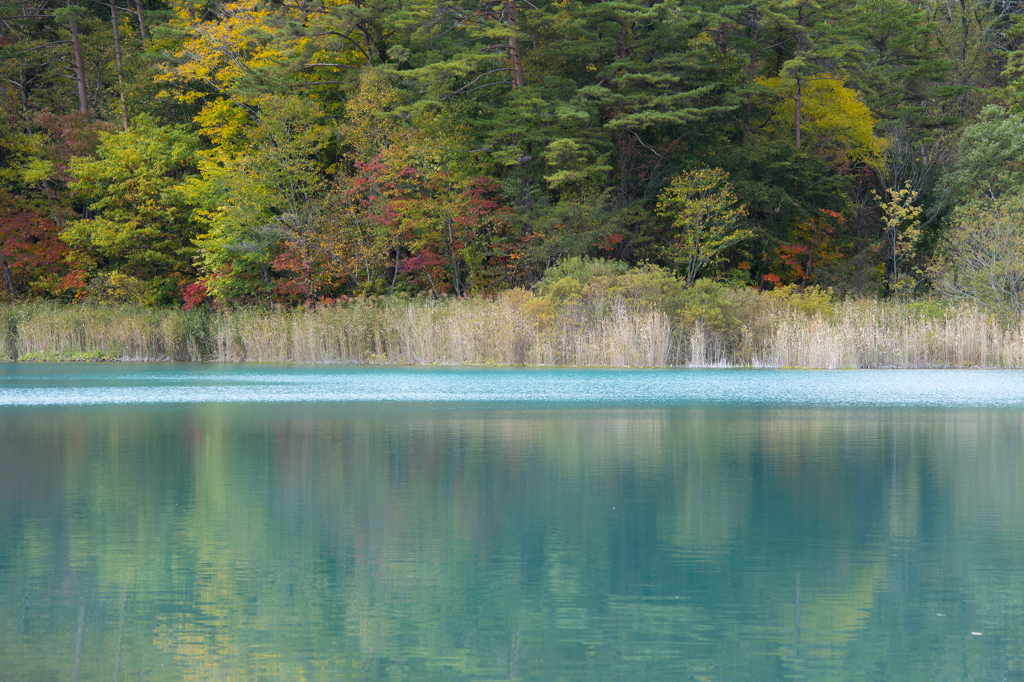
(41, 385)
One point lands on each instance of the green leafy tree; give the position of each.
(984, 255)
(972, 36)
(989, 158)
(142, 223)
(706, 217)
(901, 234)
(265, 190)
(463, 48)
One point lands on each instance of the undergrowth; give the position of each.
(584, 313)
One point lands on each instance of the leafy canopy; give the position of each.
(706, 217)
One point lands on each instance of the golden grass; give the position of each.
(504, 331)
(868, 334)
(125, 333)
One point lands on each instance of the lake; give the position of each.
(210, 522)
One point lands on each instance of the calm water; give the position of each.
(279, 523)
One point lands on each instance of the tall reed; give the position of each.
(865, 334)
(507, 331)
(45, 331)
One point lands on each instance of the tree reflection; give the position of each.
(336, 542)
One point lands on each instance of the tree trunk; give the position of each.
(8, 277)
(142, 21)
(76, 44)
(23, 98)
(514, 53)
(751, 70)
(799, 80)
(432, 287)
(454, 257)
(117, 56)
(797, 108)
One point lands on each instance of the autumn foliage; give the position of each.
(251, 153)
(31, 252)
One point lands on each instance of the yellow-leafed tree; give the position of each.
(835, 121)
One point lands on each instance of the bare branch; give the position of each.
(486, 73)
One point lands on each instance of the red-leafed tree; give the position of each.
(462, 221)
(30, 250)
(413, 212)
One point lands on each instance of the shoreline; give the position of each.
(725, 368)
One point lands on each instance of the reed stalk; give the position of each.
(868, 334)
(507, 331)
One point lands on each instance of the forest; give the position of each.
(296, 152)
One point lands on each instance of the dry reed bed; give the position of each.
(502, 331)
(871, 334)
(48, 332)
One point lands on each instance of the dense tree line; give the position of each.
(302, 150)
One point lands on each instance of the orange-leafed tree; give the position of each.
(814, 246)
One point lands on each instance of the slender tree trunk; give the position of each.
(797, 99)
(722, 37)
(99, 87)
(120, 72)
(76, 45)
(23, 97)
(307, 267)
(456, 280)
(965, 32)
(514, 53)
(431, 280)
(394, 275)
(8, 277)
(799, 80)
(751, 70)
(894, 277)
(142, 21)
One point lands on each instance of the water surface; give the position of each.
(56, 384)
(181, 522)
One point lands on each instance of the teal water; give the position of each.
(162, 522)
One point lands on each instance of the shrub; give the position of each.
(723, 311)
(984, 262)
(812, 300)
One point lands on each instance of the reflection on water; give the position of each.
(349, 541)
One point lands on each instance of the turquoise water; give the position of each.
(65, 385)
(165, 522)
